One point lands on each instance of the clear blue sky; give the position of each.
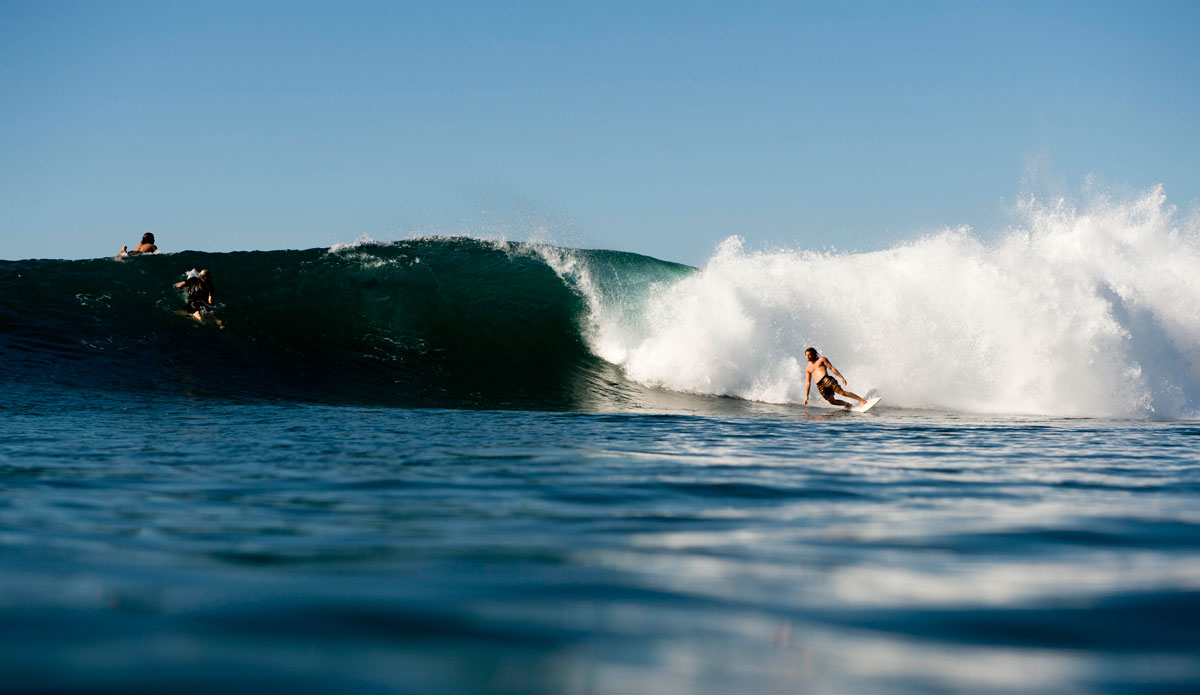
(659, 128)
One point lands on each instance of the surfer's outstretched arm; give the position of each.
(807, 385)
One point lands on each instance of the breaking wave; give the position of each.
(1071, 312)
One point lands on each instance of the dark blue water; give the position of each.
(406, 468)
(179, 544)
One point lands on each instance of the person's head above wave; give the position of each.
(146, 246)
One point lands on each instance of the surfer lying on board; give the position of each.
(200, 295)
(147, 246)
(824, 371)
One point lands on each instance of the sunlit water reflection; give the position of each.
(175, 546)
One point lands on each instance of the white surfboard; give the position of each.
(871, 401)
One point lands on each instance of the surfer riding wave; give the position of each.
(827, 385)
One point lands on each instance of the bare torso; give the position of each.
(817, 370)
(138, 250)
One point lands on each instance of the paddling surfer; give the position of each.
(147, 246)
(827, 385)
(201, 295)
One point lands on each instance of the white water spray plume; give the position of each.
(1093, 313)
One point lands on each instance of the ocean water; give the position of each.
(452, 465)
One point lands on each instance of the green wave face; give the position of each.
(439, 322)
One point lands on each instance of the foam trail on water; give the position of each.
(1072, 312)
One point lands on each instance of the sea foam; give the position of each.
(1070, 312)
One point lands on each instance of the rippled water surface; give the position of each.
(175, 545)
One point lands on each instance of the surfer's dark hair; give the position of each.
(147, 238)
(811, 352)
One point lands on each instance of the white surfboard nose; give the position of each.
(866, 406)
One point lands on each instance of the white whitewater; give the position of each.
(1071, 312)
